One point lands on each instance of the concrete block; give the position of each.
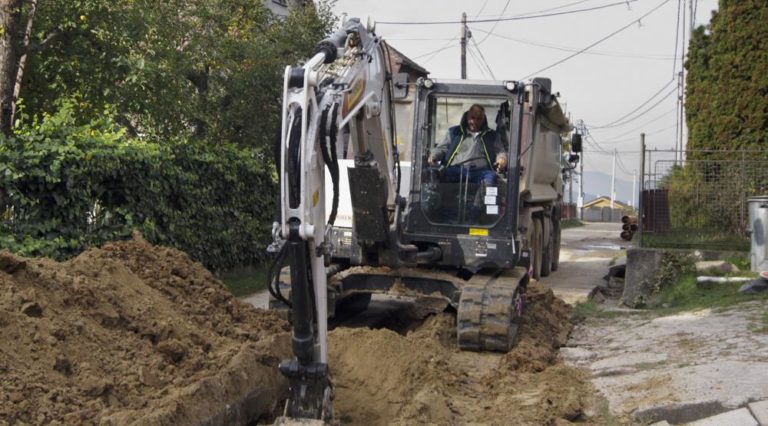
(642, 265)
(760, 411)
(661, 423)
(738, 417)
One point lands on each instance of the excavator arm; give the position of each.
(344, 85)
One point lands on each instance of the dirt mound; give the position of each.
(422, 378)
(130, 333)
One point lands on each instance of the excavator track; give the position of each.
(489, 311)
(488, 306)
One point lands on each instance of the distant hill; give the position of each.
(598, 184)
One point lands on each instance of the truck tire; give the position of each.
(536, 248)
(547, 246)
(556, 243)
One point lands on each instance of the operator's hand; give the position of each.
(501, 164)
(432, 160)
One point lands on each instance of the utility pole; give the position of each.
(634, 188)
(641, 207)
(580, 203)
(613, 180)
(463, 45)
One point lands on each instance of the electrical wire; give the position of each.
(495, 23)
(664, 115)
(649, 109)
(436, 51)
(574, 49)
(477, 62)
(477, 48)
(611, 124)
(677, 36)
(611, 141)
(511, 18)
(598, 41)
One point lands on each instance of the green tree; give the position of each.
(727, 82)
(209, 69)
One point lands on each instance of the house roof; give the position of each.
(616, 204)
(403, 63)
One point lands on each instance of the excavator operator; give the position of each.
(468, 149)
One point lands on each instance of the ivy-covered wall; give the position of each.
(66, 187)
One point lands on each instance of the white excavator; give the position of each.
(421, 227)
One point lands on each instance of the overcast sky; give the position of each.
(600, 87)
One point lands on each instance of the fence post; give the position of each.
(640, 205)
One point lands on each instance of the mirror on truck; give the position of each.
(400, 85)
(576, 142)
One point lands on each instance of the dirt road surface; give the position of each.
(586, 252)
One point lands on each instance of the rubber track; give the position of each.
(486, 318)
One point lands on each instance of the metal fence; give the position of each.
(698, 199)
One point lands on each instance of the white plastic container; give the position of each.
(758, 228)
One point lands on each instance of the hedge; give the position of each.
(65, 188)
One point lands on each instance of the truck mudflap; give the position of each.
(490, 309)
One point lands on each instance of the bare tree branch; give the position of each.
(23, 58)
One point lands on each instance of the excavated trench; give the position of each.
(136, 334)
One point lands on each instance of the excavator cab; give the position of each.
(464, 207)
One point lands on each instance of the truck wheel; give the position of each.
(546, 252)
(556, 244)
(536, 248)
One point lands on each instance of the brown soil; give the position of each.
(130, 333)
(136, 334)
(422, 378)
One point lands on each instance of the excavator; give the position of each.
(362, 212)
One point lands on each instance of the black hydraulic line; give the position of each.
(302, 341)
(330, 45)
(294, 161)
(334, 166)
(328, 151)
(273, 277)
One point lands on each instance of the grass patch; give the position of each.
(245, 281)
(570, 223)
(591, 309)
(740, 261)
(695, 238)
(687, 295)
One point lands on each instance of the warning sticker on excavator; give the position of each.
(315, 198)
(478, 232)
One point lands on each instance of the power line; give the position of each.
(476, 61)
(574, 49)
(677, 36)
(436, 51)
(611, 124)
(511, 18)
(650, 108)
(611, 141)
(483, 58)
(599, 41)
(555, 8)
(495, 23)
(664, 115)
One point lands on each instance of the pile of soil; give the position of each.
(131, 333)
(137, 334)
(422, 378)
